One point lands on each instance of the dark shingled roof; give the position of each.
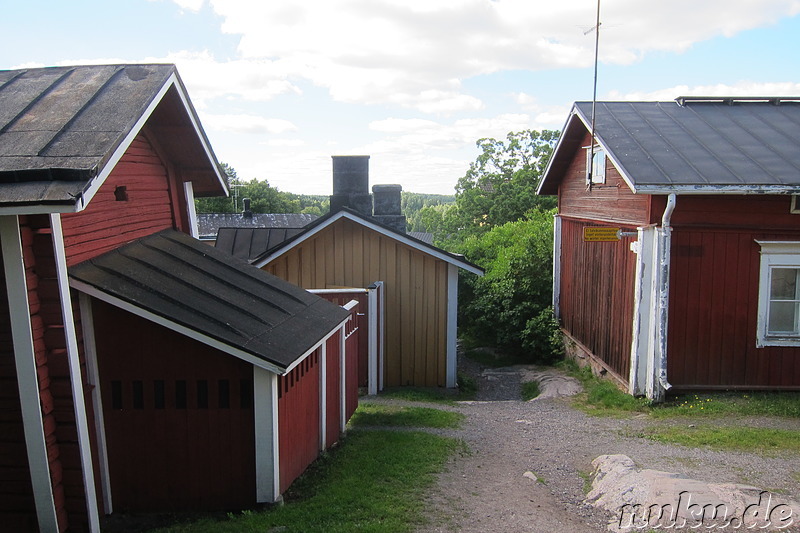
(249, 243)
(188, 283)
(208, 224)
(60, 126)
(705, 145)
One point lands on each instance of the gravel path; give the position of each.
(528, 462)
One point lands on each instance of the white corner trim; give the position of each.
(372, 341)
(643, 310)
(557, 266)
(76, 380)
(265, 418)
(323, 396)
(452, 324)
(93, 380)
(27, 379)
(188, 193)
(342, 380)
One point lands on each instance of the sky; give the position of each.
(281, 86)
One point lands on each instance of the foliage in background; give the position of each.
(412, 205)
(510, 306)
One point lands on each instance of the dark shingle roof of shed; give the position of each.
(189, 283)
(208, 224)
(249, 243)
(710, 145)
(61, 126)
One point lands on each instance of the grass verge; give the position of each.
(759, 440)
(530, 390)
(374, 482)
(467, 388)
(371, 414)
(602, 397)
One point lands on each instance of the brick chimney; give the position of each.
(351, 184)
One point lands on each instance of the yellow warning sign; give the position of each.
(595, 234)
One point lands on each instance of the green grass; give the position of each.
(760, 440)
(371, 414)
(602, 397)
(375, 482)
(467, 389)
(530, 390)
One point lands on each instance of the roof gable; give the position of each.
(62, 129)
(192, 288)
(700, 147)
(327, 220)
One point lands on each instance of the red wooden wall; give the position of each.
(178, 416)
(333, 389)
(714, 293)
(299, 425)
(152, 204)
(362, 322)
(17, 511)
(352, 336)
(597, 289)
(612, 201)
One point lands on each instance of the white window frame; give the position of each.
(597, 177)
(774, 254)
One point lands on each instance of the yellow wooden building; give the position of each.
(347, 249)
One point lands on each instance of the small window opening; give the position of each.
(180, 394)
(158, 394)
(138, 394)
(224, 394)
(121, 193)
(202, 394)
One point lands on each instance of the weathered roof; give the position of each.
(208, 224)
(191, 287)
(427, 238)
(249, 243)
(700, 145)
(63, 128)
(321, 223)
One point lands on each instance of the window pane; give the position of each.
(783, 284)
(782, 317)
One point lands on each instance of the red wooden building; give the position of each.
(139, 368)
(677, 260)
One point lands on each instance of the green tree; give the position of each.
(263, 197)
(500, 185)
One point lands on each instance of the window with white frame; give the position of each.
(779, 294)
(596, 164)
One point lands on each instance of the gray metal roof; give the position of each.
(249, 243)
(705, 145)
(61, 126)
(208, 224)
(190, 284)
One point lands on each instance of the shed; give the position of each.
(96, 159)
(677, 258)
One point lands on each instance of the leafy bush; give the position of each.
(510, 306)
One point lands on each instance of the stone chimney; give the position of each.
(246, 213)
(386, 200)
(351, 184)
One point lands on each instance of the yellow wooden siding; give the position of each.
(347, 254)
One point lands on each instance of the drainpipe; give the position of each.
(656, 392)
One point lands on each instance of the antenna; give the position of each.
(594, 93)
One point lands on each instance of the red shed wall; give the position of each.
(196, 449)
(714, 293)
(299, 425)
(612, 201)
(153, 203)
(333, 389)
(17, 511)
(597, 289)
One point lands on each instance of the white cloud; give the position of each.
(250, 124)
(742, 88)
(414, 53)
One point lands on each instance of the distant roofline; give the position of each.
(730, 100)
